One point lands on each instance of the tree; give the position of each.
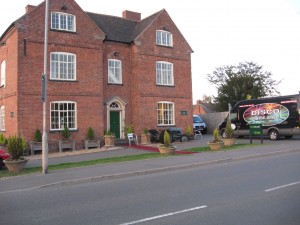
(245, 81)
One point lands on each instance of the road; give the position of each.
(257, 191)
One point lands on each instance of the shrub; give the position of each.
(146, 131)
(37, 136)
(3, 140)
(216, 135)
(90, 134)
(167, 139)
(228, 129)
(66, 133)
(15, 147)
(189, 130)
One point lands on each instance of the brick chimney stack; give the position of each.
(131, 15)
(29, 8)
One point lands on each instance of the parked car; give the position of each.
(199, 125)
(3, 155)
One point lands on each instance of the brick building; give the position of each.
(103, 72)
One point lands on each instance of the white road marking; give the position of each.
(283, 186)
(164, 215)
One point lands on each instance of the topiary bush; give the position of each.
(90, 134)
(37, 136)
(15, 147)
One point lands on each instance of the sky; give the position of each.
(220, 32)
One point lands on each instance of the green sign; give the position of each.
(184, 113)
(256, 129)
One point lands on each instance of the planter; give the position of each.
(109, 140)
(166, 150)
(66, 145)
(91, 144)
(228, 141)
(15, 166)
(35, 146)
(216, 145)
(145, 139)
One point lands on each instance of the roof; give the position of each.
(119, 29)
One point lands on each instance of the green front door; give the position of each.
(115, 123)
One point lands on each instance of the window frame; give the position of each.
(164, 38)
(71, 113)
(113, 73)
(165, 115)
(164, 76)
(3, 73)
(57, 70)
(2, 118)
(60, 25)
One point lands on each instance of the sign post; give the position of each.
(256, 130)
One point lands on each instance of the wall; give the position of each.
(213, 120)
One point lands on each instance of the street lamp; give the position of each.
(44, 95)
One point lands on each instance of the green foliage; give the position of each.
(189, 130)
(3, 140)
(15, 147)
(37, 136)
(167, 139)
(90, 134)
(146, 131)
(66, 133)
(235, 83)
(129, 129)
(216, 135)
(228, 129)
(108, 133)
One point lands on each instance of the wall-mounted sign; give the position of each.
(184, 113)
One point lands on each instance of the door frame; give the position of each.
(116, 104)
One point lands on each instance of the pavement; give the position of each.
(139, 167)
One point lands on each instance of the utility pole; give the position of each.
(44, 95)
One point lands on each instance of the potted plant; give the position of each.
(15, 147)
(36, 144)
(109, 138)
(3, 140)
(145, 137)
(216, 144)
(66, 143)
(166, 147)
(189, 132)
(90, 141)
(227, 137)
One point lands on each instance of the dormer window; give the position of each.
(63, 21)
(164, 38)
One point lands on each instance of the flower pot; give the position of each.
(228, 141)
(15, 166)
(109, 140)
(91, 144)
(216, 145)
(166, 150)
(145, 139)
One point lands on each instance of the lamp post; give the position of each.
(44, 95)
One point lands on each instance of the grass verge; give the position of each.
(38, 169)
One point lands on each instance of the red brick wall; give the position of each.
(87, 91)
(9, 93)
(146, 93)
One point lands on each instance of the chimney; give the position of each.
(29, 8)
(129, 15)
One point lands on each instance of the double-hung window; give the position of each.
(3, 73)
(164, 38)
(63, 114)
(114, 71)
(165, 113)
(2, 118)
(63, 21)
(62, 66)
(164, 73)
